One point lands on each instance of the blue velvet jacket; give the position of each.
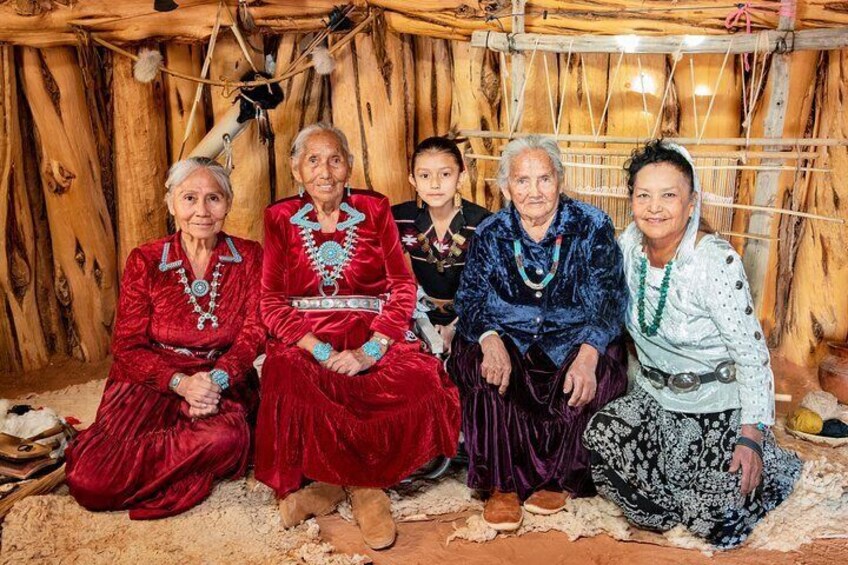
(584, 303)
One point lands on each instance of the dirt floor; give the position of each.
(425, 542)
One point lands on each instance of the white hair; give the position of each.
(181, 170)
(528, 143)
(299, 143)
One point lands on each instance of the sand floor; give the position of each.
(424, 542)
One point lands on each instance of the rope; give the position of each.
(644, 99)
(506, 95)
(588, 96)
(550, 94)
(694, 100)
(609, 94)
(519, 107)
(564, 87)
(715, 90)
(677, 56)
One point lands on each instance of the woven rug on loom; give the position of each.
(239, 521)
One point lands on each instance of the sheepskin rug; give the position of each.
(239, 522)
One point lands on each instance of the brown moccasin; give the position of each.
(373, 513)
(545, 502)
(503, 512)
(315, 499)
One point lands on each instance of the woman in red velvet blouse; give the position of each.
(348, 399)
(175, 411)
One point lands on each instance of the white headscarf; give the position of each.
(633, 235)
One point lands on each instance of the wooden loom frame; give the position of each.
(780, 43)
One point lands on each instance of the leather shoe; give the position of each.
(315, 499)
(545, 502)
(503, 512)
(373, 513)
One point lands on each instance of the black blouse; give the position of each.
(437, 264)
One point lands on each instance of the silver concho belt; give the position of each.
(361, 303)
(690, 382)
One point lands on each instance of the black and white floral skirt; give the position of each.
(666, 468)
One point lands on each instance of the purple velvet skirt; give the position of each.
(529, 439)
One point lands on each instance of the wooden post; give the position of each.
(180, 98)
(756, 256)
(372, 85)
(22, 342)
(141, 160)
(80, 226)
(818, 301)
(251, 174)
(306, 102)
(433, 87)
(517, 69)
(476, 98)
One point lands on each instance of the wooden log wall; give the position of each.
(62, 248)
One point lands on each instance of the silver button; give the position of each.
(538, 294)
(535, 336)
(538, 320)
(539, 271)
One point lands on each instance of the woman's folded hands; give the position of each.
(201, 393)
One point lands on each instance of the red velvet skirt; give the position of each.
(370, 430)
(146, 455)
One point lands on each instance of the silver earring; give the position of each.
(300, 191)
(348, 190)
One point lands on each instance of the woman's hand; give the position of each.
(748, 460)
(349, 362)
(580, 378)
(496, 366)
(447, 334)
(201, 393)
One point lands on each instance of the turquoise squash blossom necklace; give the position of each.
(519, 261)
(330, 259)
(652, 330)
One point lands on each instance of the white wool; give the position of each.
(322, 60)
(30, 424)
(822, 403)
(148, 65)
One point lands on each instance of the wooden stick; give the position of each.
(740, 141)
(695, 152)
(786, 40)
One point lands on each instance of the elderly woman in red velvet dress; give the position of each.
(174, 414)
(347, 400)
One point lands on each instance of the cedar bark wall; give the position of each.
(58, 274)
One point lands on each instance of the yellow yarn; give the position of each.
(804, 420)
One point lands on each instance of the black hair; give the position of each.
(657, 152)
(438, 144)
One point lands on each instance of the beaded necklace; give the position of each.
(330, 259)
(200, 287)
(651, 330)
(519, 260)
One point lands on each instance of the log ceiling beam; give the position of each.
(126, 21)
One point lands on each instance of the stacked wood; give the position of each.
(22, 342)
(818, 303)
(306, 101)
(180, 96)
(433, 92)
(250, 177)
(475, 105)
(80, 225)
(141, 159)
(372, 91)
(802, 71)
(49, 24)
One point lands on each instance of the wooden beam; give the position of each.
(517, 69)
(774, 40)
(740, 141)
(756, 256)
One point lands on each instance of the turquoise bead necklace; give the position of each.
(651, 330)
(519, 260)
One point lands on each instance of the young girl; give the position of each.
(436, 229)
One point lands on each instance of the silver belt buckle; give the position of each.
(726, 372)
(684, 382)
(656, 378)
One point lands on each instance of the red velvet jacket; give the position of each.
(376, 268)
(153, 310)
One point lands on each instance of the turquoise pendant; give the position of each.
(200, 288)
(331, 254)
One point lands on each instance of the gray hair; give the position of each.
(181, 170)
(299, 143)
(528, 143)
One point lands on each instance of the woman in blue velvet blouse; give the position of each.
(541, 305)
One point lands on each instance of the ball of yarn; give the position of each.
(822, 403)
(834, 428)
(804, 420)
